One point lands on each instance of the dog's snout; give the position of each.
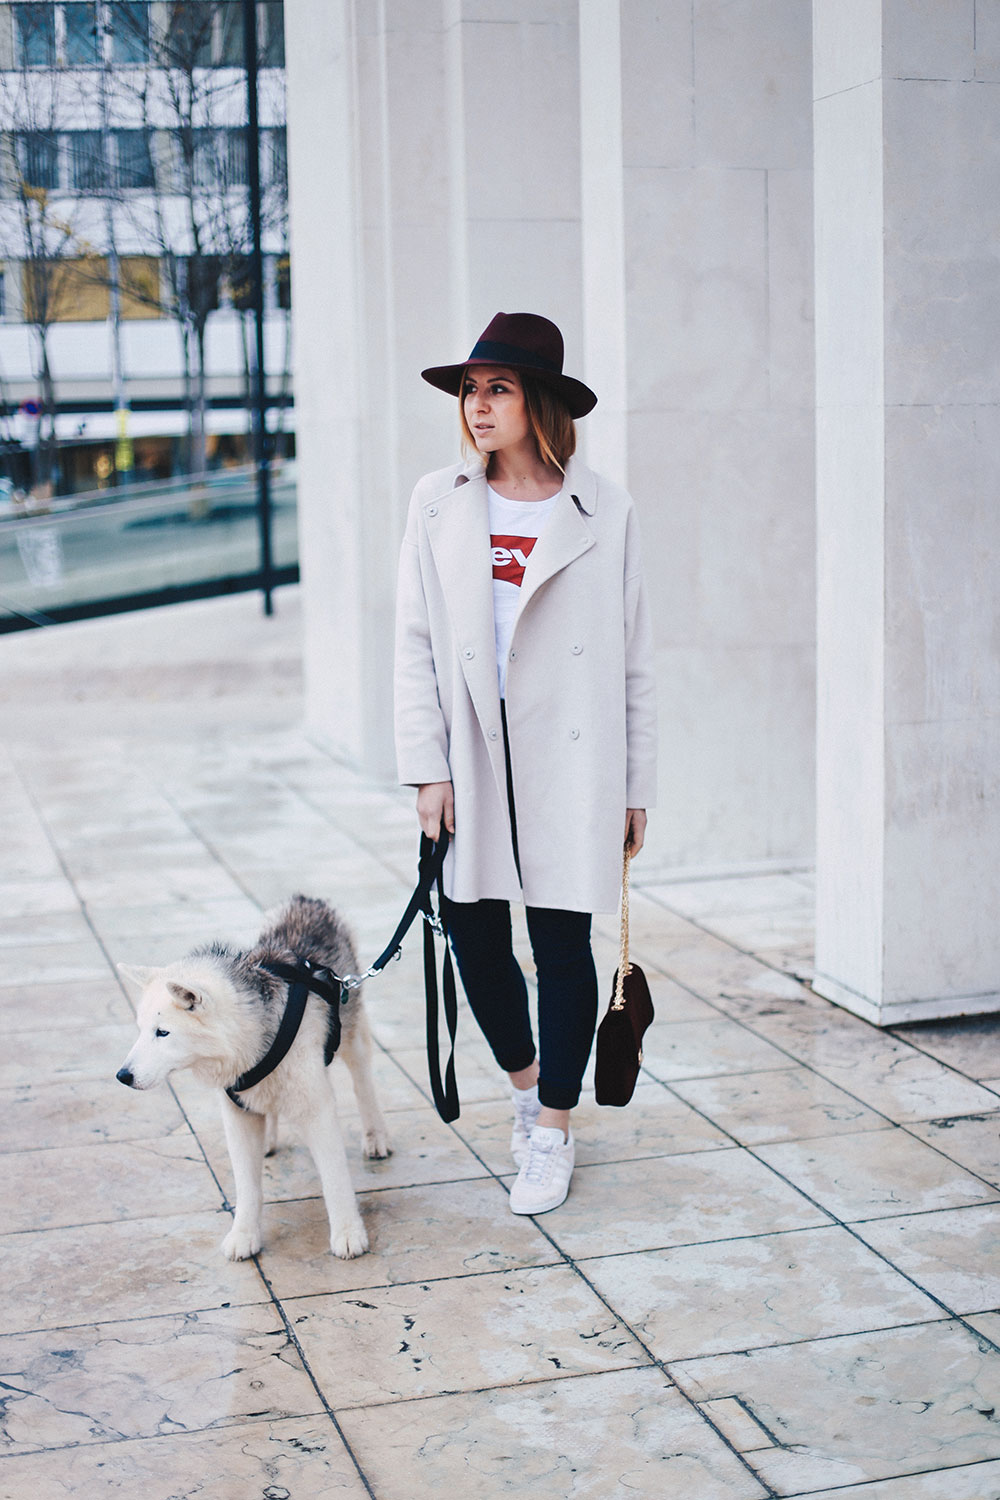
(125, 1075)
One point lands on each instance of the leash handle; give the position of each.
(429, 868)
(445, 1093)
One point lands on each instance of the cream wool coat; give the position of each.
(580, 704)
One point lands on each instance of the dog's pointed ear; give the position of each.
(138, 974)
(186, 998)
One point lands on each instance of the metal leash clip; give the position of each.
(434, 923)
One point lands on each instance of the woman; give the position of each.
(525, 714)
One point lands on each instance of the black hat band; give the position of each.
(510, 354)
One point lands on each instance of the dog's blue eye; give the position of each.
(160, 1031)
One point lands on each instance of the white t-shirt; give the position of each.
(515, 526)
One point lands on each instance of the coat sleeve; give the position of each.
(640, 680)
(421, 732)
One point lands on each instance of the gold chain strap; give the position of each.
(624, 967)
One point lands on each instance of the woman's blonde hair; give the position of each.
(551, 424)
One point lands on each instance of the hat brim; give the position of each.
(578, 397)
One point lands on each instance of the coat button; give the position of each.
(493, 734)
(468, 653)
(513, 656)
(432, 510)
(574, 734)
(576, 650)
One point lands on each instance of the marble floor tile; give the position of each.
(654, 1124)
(101, 1183)
(788, 1104)
(860, 1407)
(416, 1234)
(789, 929)
(698, 1049)
(84, 1112)
(54, 963)
(887, 1074)
(167, 947)
(303, 1457)
(954, 1253)
(42, 927)
(66, 1052)
(748, 1293)
(463, 1334)
(150, 1377)
(28, 898)
(969, 1043)
(967, 1482)
(612, 1436)
(874, 1175)
(221, 914)
(674, 1200)
(730, 895)
(158, 884)
(971, 1140)
(89, 1002)
(138, 1268)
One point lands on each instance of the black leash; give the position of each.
(335, 989)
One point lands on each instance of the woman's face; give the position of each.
(493, 400)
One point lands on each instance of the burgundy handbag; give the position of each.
(620, 1034)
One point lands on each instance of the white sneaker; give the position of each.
(526, 1107)
(543, 1181)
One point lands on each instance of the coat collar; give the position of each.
(580, 481)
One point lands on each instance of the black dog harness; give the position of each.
(304, 977)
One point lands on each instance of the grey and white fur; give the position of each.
(216, 1012)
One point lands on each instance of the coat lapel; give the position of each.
(458, 526)
(566, 537)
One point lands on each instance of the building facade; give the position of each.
(124, 232)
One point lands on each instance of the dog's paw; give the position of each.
(240, 1244)
(375, 1145)
(349, 1240)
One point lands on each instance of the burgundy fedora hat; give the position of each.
(521, 341)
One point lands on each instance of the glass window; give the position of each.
(207, 166)
(231, 49)
(274, 34)
(239, 275)
(36, 35)
(135, 162)
(81, 35)
(277, 157)
(130, 31)
(88, 172)
(283, 281)
(39, 155)
(202, 283)
(235, 158)
(189, 39)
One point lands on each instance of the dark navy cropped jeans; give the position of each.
(480, 933)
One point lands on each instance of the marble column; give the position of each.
(697, 239)
(907, 191)
(434, 180)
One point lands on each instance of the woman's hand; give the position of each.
(635, 829)
(436, 801)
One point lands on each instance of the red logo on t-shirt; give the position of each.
(510, 554)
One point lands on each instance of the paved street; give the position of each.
(776, 1273)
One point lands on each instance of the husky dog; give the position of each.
(217, 1012)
